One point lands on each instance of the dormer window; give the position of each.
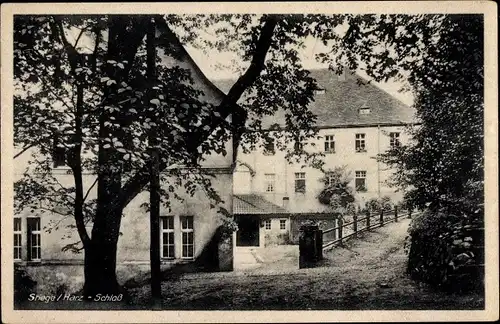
(364, 111)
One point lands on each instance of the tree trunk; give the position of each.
(100, 257)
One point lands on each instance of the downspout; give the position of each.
(286, 177)
(254, 158)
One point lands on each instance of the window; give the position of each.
(282, 224)
(167, 237)
(34, 236)
(58, 154)
(360, 143)
(17, 238)
(360, 181)
(329, 144)
(364, 111)
(267, 224)
(270, 181)
(300, 182)
(394, 140)
(269, 146)
(187, 231)
(319, 91)
(286, 200)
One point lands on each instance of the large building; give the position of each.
(356, 121)
(188, 232)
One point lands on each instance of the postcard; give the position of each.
(249, 162)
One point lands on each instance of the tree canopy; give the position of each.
(443, 165)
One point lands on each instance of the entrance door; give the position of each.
(248, 230)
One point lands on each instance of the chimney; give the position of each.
(286, 200)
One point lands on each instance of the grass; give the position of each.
(368, 273)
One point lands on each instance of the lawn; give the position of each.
(366, 274)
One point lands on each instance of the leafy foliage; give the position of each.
(446, 250)
(24, 285)
(51, 72)
(337, 194)
(444, 163)
(376, 205)
(442, 169)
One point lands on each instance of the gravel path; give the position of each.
(367, 273)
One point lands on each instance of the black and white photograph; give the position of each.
(241, 157)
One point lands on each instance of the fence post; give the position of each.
(396, 214)
(340, 226)
(367, 219)
(355, 224)
(382, 217)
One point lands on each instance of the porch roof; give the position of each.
(256, 205)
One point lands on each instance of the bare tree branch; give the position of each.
(79, 36)
(88, 191)
(24, 150)
(55, 212)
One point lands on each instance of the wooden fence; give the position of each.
(359, 224)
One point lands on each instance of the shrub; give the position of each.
(376, 205)
(284, 238)
(445, 250)
(23, 285)
(337, 194)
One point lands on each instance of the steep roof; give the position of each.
(341, 101)
(255, 205)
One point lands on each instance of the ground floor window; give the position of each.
(267, 224)
(282, 224)
(17, 238)
(34, 239)
(187, 231)
(167, 237)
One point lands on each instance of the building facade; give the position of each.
(356, 121)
